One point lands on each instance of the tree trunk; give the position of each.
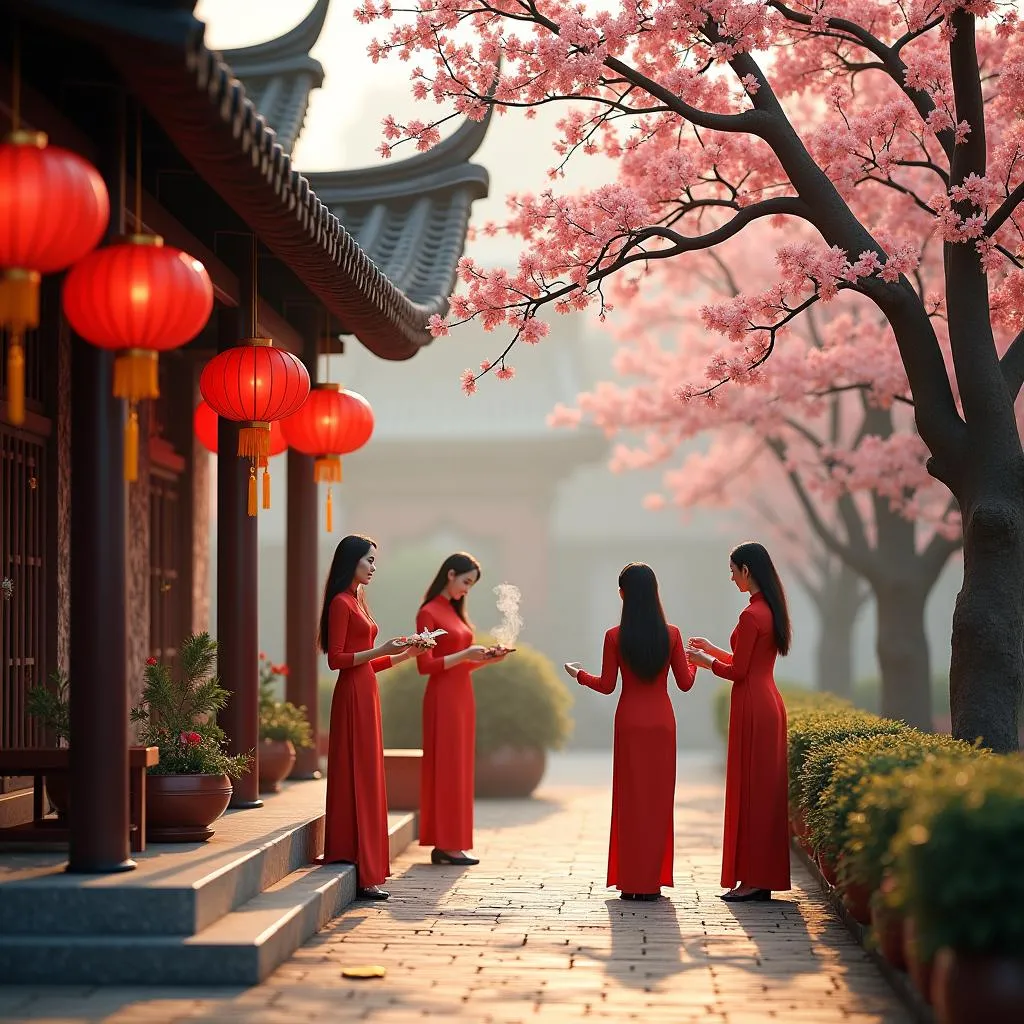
(903, 657)
(839, 603)
(987, 662)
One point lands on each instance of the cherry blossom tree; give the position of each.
(853, 462)
(713, 110)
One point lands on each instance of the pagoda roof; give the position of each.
(410, 215)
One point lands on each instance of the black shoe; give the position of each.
(754, 896)
(373, 892)
(627, 895)
(441, 857)
(649, 896)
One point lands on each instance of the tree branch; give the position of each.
(1012, 365)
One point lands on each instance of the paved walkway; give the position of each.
(532, 935)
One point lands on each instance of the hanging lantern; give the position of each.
(332, 423)
(255, 384)
(54, 208)
(138, 298)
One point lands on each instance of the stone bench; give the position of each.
(42, 762)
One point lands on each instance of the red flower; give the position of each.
(151, 661)
(190, 739)
(263, 657)
(279, 670)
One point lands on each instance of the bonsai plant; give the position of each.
(958, 879)
(522, 711)
(191, 786)
(283, 727)
(49, 705)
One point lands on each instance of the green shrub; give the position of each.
(958, 862)
(520, 702)
(836, 775)
(810, 729)
(51, 706)
(280, 719)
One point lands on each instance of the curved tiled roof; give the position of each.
(280, 74)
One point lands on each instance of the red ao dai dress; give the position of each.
(644, 767)
(449, 732)
(756, 845)
(356, 827)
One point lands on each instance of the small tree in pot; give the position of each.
(283, 727)
(50, 706)
(191, 786)
(522, 711)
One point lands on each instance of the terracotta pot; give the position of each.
(509, 772)
(920, 970)
(798, 823)
(276, 760)
(971, 987)
(827, 863)
(57, 787)
(857, 900)
(402, 773)
(887, 925)
(181, 808)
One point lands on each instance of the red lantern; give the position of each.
(205, 422)
(54, 208)
(137, 297)
(255, 384)
(332, 423)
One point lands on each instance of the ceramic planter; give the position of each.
(402, 771)
(57, 786)
(887, 925)
(181, 808)
(920, 970)
(509, 772)
(276, 761)
(972, 987)
(857, 900)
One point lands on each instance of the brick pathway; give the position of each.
(532, 935)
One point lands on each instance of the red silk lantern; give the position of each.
(205, 423)
(332, 423)
(255, 384)
(54, 208)
(138, 298)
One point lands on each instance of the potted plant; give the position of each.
(959, 881)
(522, 711)
(50, 706)
(283, 727)
(191, 786)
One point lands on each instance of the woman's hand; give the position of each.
(573, 668)
(396, 645)
(699, 643)
(475, 653)
(698, 658)
(498, 652)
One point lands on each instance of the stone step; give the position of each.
(241, 948)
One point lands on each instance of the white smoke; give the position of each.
(509, 597)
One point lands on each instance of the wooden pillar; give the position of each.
(237, 587)
(98, 796)
(302, 586)
(98, 815)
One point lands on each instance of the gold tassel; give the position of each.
(254, 442)
(330, 512)
(131, 446)
(137, 375)
(266, 487)
(327, 469)
(252, 491)
(15, 379)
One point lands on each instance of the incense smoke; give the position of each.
(509, 597)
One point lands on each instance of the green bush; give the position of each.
(520, 702)
(835, 776)
(51, 706)
(280, 719)
(958, 862)
(811, 729)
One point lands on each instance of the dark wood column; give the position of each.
(237, 588)
(302, 585)
(98, 797)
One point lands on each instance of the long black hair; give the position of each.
(755, 557)
(459, 563)
(643, 632)
(347, 555)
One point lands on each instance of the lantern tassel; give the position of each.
(254, 442)
(266, 487)
(330, 512)
(15, 379)
(137, 375)
(327, 469)
(131, 446)
(253, 504)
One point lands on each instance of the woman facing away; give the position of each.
(755, 855)
(356, 827)
(449, 712)
(643, 647)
